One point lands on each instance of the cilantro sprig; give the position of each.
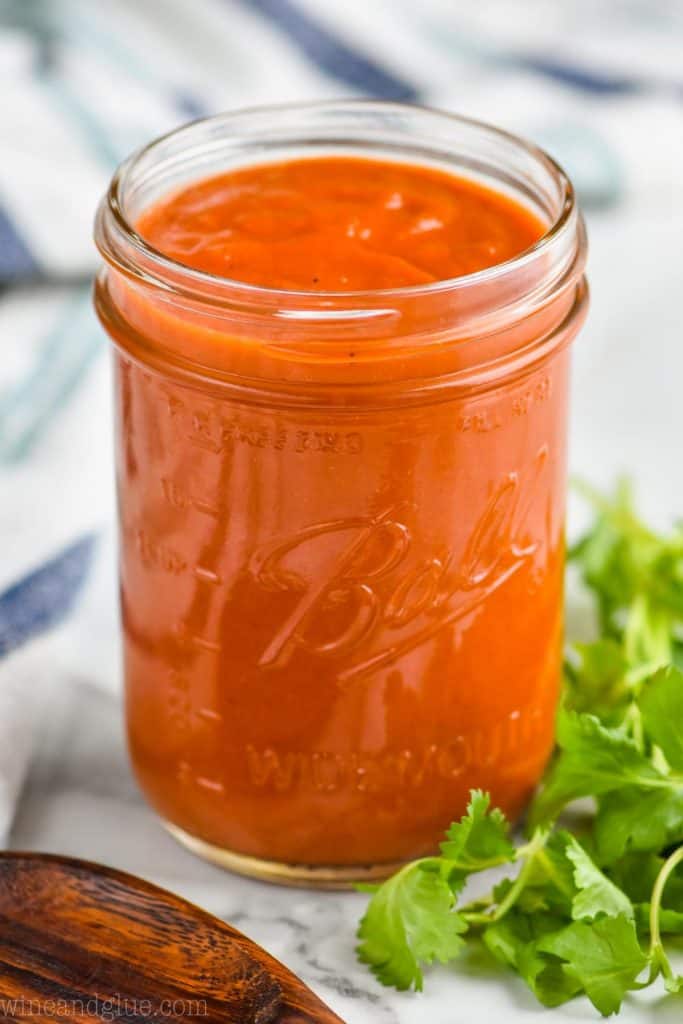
(582, 913)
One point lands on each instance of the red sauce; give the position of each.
(339, 224)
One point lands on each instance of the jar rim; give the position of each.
(157, 265)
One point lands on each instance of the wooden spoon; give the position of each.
(80, 941)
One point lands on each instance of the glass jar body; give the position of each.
(341, 580)
(337, 623)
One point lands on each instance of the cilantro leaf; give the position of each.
(549, 950)
(411, 918)
(595, 679)
(550, 881)
(593, 760)
(661, 706)
(604, 958)
(410, 921)
(647, 635)
(480, 837)
(611, 554)
(636, 875)
(649, 816)
(637, 819)
(514, 941)
(595, 893)
(565, 880)
(633, 572)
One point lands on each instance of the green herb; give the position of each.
(583, 913)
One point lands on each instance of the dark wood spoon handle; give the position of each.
(82, 941)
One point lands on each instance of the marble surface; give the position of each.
(80, 799)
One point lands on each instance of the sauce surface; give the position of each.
(338, 616)
(339, 224)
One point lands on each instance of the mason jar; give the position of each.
(341, 514)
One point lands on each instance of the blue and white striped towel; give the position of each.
(82, 84)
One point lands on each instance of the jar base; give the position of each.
(302, 876)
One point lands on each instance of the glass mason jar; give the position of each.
(341, 514)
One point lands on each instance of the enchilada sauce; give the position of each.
(337, 619)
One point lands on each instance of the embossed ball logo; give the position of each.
(355, 579)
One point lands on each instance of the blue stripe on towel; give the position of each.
(188, 104)
(333, 55)
(456, 39)
(583, 79)
(16, 259)
(44, 597)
